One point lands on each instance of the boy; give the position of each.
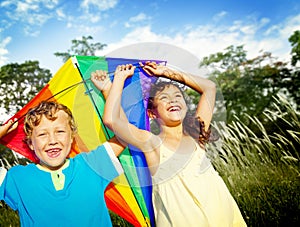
(59, 191)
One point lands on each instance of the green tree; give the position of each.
(295, 43)
(19, 83)
(294, 82)
(248, 85)
(81, 47)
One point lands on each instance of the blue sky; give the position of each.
(36, 29)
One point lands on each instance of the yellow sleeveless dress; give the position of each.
(188, 192)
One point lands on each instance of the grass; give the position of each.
(8, 217)
(262, 172)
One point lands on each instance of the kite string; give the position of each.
(93, 101)
(63, 90)
(83, 81)
(89, 91)
(106, 130)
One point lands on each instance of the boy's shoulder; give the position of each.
(17, 169)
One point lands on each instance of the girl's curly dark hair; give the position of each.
(195, 127)
(192, 125)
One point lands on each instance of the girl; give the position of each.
(187, 191)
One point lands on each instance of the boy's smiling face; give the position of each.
(51, 140)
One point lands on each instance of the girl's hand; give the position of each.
(124, 71)
(101, 80)
(153, 69)
(8, 127)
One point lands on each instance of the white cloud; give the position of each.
(208, 39)
(50, 4)
(219, 16)
(3, 50)
(139, 34)
(60, 13)
(24, 7)
(35, 13)
(101, 5)
(5, 3)
(289, 26)
(141, 17)
(38, 19)
(276, 37)
(30, 12)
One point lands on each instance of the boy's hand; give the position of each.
(101, 80)
(124, 71)
(3, 172)
(8, 127)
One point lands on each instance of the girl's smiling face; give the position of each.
(51, 140)
(170, 106)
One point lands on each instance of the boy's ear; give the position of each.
(29, 143)
(151, 114)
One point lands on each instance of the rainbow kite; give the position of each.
(130, 194)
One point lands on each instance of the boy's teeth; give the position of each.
(53, 150)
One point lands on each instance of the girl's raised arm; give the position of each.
(115, 119)
(206, 88)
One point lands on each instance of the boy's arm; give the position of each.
(102, 82)
(115, 119)
(8, 127)
(4, 129)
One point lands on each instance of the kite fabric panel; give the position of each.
(129, 195)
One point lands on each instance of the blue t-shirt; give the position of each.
(80, 202)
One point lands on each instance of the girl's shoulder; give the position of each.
(153, 144)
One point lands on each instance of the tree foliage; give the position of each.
(19, 83)
(293, 86)
(248, 85)
(81, 47)
(295, 43)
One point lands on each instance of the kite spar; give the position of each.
(129, 195)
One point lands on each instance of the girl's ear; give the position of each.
(151, 114)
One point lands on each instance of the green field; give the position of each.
(262, 172)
